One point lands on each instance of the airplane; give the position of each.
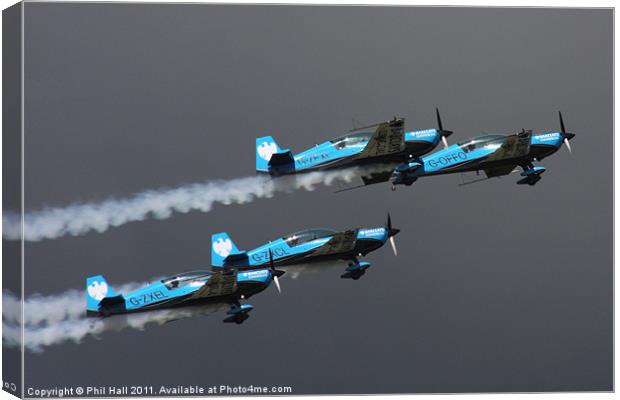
(222, 286)
(305, 247)
(386, 142)
(496, 155)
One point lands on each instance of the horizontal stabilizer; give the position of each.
(282, 160)
(233, 260)
(112, 305)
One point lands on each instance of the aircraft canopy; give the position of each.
(352, 139)
(180, 280)
(483, 141)
(307, 235)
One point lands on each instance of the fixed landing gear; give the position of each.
(239, 313)
(402, 181)
(355, 275)
(531, 174)
(355, 270)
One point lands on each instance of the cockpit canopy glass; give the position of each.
(185, 278)
(491, 142)
(307, 235)
(352, 139)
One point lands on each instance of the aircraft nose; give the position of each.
(393, 232)
(277, 272)
(445, 133)
(568, 135)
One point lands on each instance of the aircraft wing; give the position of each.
(515, 146)
(377, 177)
(341, 242)
(370, 179)
(219, 284)
(499, 171)
(389, 138)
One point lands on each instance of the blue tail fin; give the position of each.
(222, 247)
(266, 146)
(97, 289)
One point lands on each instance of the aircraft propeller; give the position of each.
(391, 233)
(566, 135)
(274, 272)
(444, 133)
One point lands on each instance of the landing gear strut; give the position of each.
(531, 174)
(238, 313)
(355, 270)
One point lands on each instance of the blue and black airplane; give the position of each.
(218, 286)
(306, 247)
(382, 143)
(496, 155)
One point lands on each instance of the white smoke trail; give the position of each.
(53, 320)
(36, 338)
(57, 319)
(40, 309)
(78, 219)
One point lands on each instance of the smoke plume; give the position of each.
(79, 219)
(53, 320)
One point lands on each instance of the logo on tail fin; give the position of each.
(266, 149)
(222, 247)
(98, 290)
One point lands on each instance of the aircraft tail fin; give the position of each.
(270, 157)
(99, 293)
(222, 249)
(266, 146)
